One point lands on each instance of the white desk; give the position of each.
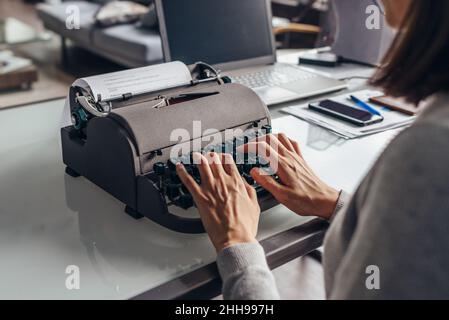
(49, 220)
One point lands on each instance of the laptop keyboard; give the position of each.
(276, 76)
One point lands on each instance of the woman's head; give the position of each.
(417, 64)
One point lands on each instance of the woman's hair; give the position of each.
(417, 64)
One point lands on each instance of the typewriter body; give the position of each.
(128, 148)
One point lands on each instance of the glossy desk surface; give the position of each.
(49, 221)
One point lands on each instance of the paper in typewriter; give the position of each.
(137, 81)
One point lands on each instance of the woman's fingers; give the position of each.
(188, 180)
(280, 143)
(285, 141)
(272, 140)
(262, 149)
(296, 147)
(229, 165)
(252, 193)
(215, 164)
(203, 167)
(268, 183)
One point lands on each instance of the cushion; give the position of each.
(120, 12)
(129, 41)
(54, 18)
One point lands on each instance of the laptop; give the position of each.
(236, 37)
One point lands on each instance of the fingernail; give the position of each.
(196, 157)
(254, 171)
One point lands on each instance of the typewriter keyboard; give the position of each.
(177, 194)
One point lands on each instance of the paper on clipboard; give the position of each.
(392, 119)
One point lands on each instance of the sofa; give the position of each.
(132, 45)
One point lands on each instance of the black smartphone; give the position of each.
(325, 59)
(346, 113)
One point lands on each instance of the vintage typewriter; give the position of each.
(129, 146)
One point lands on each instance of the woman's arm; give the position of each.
(245, 273)
(230, 212)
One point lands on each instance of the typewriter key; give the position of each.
(267, 129)
(247, 167)
(159, 168)
(174, 177)
(171, 163)
(173, 191)
(248, 179)
(223, 147)
(185, 201)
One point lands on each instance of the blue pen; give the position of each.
(365, 106)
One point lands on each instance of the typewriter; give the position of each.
(130, 146)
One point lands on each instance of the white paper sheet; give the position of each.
(114, 85)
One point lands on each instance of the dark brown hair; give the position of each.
(417, 64)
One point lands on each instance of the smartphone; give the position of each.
(346, 113)
(325, 59)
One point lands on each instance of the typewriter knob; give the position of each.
(172, 191)
(223, 147)
(79, 118)
(159, 168)
(226, 79)
(174, 177)
(248, 179)
(185, 201)
(191, 158)
(247, 168)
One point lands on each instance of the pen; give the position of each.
(365, 106)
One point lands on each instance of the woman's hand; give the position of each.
(227, 204)
(300, 189)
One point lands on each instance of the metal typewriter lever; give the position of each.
(162, 103)
(86, 104)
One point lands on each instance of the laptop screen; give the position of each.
(216, 31)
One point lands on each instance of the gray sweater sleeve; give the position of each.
(245, 273)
